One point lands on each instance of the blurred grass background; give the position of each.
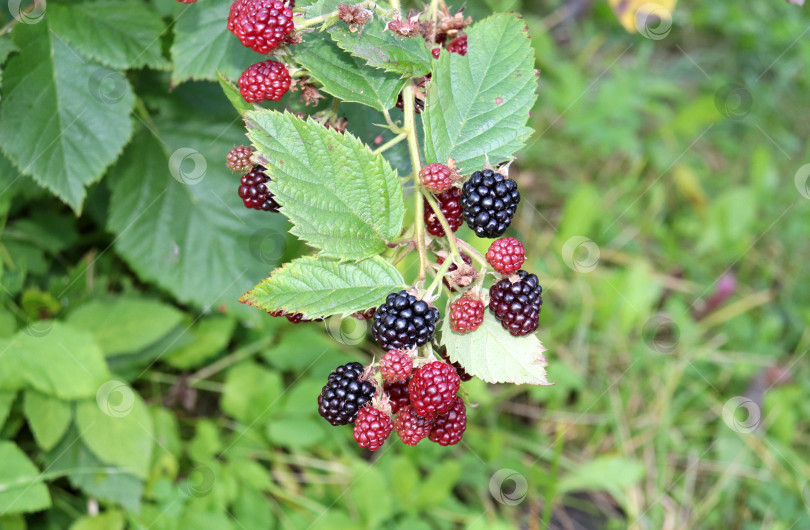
(666, 212)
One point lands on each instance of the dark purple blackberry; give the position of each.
(404, 322)
(489, 201)
(254, 193)
(517, 305)
(344, 395)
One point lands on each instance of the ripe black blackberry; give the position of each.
(268, 80)
(517, 304)
(254, 193)
(261, 25)
(450, 205)
(404, 322)
(489, 201)
(344, 394)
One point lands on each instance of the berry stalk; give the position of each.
(451, 239)
(416, 165)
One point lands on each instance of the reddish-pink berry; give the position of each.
(432, 389)
(459, 45)
(436, 178)
(466, 314)
(450, 426)
(371, 428)
(261, 25)
(396, 366)
(450, 206)
(268, 80)
(506, 255)
(411, 427)
(436, 52)
(238, 158)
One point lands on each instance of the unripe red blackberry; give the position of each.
(238, 158)
(365, 315)
(404, 322)
(254, 192)
(506, 255)
(466, 314)
(437, 178)
(459, 45)
(397, 395)
(268, 80)
(371, 428)
(396, 366)
(436, 52)
(344, 394)
(450, 426)
(432, 389)
(411, 427)
(450, 205)
(261, 25)
(517, 304)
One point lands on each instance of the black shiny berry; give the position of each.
(517, 304)
(404, 322)
(254, 193)
(344, 394)
(489, 201)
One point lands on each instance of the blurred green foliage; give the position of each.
(658, 167)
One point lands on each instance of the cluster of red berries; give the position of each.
(263, 26)
(418, 404)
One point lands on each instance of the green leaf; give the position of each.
(58, 361)
(63, 119)
(347, 77)
(6, 401)
(233, 95)
(383, 49)
(295, 433)
(479, 104)
(117, 427)
(251, 392)
(21, 486)
(367, 493)
(319, 287)
(493, 355)
(117, 34)
(49, 418)
(341, 198)
(438, 486)
(86, 472)
(124, 324)
(113, 520)
(211, 336)
(174, 234)
(7, 47)
(203, 45)
(609, 473)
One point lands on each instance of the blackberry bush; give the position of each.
(343, 198)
